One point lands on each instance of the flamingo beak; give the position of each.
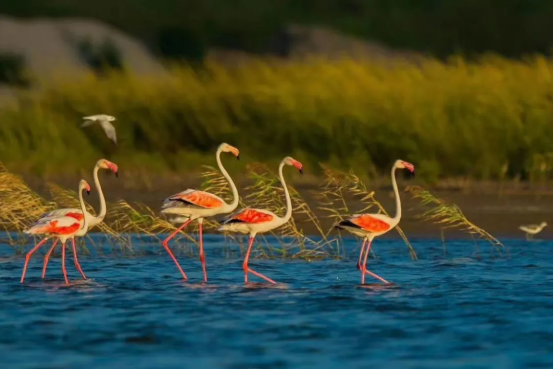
(301, 171)
(238, 156)
(116, 173)
(87, 191)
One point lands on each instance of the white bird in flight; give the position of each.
(105, 121)
(532, 230)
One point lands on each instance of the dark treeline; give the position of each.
(187, 28)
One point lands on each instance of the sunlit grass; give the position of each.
(488, 119)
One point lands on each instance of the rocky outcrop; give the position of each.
(60, 46)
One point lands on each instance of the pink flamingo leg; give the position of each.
(202, 255)
(47, 258)
(365, 271)
(361, 254)
(28, 258)
(77, 264)
(63, 263)
(169, 250)
(247, 269)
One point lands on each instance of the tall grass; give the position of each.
(486, 119)
(21, 206)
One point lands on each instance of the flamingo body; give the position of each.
(251, 220)
(194, 204)
(55, 226)
(62, 227)
(78, 214)
(366, 225)
(254, 221)
(369, 226)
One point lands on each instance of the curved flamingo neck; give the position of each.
(397, 217)
(83, 208)
(234, 203)
(102, 214)
(286, 194)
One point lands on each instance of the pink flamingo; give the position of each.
(76, 213)
(369, 226)
(253, 221)
(193, 204)
(61, 227)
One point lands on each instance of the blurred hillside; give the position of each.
(190, 28)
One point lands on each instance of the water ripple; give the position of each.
(448, 309)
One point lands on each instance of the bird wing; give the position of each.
(193, 197)
(87, 123)
(96, 117)
(250, 216)
(55, 225)
(76, 213)
(373, 223)
(531, 226)
(109, 130)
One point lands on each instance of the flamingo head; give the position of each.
(229, 149)
(544, 224)
(110, 118)
(289, 161)
(84, 186)
(407, 165)
(107, 165)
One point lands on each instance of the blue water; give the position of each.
(463, 308)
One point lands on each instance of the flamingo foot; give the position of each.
(260, 276)
(365, 271)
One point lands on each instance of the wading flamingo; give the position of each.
(77, 213)
(532, 230)
(193, 204)
(253, 221)
(369, 226)
(61, 227)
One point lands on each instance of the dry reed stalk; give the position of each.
(20, 205)
(449, 215)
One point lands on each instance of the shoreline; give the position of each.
(498, 208)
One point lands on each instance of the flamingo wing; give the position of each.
(76, 213)
(197, 198)
(372, 223)
(55, 225)
(250, 216)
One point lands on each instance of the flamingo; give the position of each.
(194, 204)
(78, 214)
(253, 221)
(369, 226)
(532, 230)
(62, 228)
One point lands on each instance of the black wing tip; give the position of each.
(233, 221)
(346, 223)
